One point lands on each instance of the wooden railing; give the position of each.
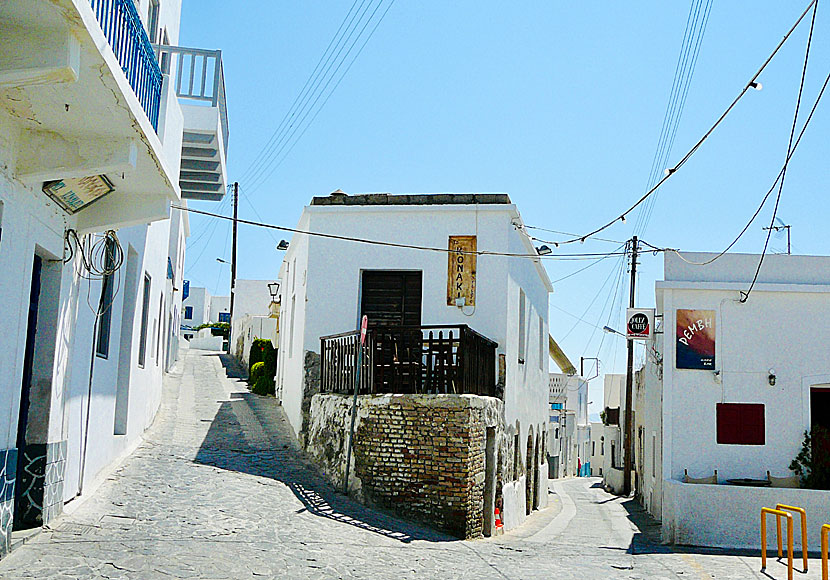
(410, 359)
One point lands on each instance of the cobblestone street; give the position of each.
(219, 491)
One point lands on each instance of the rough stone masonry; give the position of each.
(422, 456)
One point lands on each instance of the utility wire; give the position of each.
(575, 256)
(684, 71)
(772, 187)
(669, 172)
(281, 153)
(289, 114)
(745, 295)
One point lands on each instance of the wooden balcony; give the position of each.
(410, 359)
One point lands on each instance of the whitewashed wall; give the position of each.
(320, 287)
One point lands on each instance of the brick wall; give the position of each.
(421, 456)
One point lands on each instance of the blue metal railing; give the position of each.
(126, 35)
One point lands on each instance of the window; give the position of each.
(159, 335)
(740, 424)
(556, 406)
(188, 313)
(653, 455)
(516, 456)
(224, 317)
(541, 344)
(593, 447)
(102, 342)
(153, 20)
(145, 313)
(522, 337)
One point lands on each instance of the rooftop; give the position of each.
(341, 198)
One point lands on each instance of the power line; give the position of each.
(669, 172)
(772, 187)
(569, 234)
(279, 153)
(684, 71)
(576, 256)
(745, 295)
(311, 78)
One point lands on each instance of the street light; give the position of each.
(610, 330)
(273, 288)
(282, 246)
(220, 260)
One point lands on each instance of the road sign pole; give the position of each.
(363, 327)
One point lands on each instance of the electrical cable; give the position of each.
(745, 295)
(585, 267)
(669, 172)
(684, 71)
(769, 191)
(325, 78)
(575, 256)
(569, 234)
(311, 78)
(259, 178)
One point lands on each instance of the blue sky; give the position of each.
(557, 104)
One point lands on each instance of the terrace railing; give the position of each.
(411, 359)
(199, 77)
(122, 27)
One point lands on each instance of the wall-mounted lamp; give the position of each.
(543, 250)
(282, 246)
(771, 377)
(273, 288)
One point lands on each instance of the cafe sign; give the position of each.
(461, 271)
(639, 323)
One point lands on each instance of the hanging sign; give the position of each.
(76, 193)
(461, 271)
(695, 339)
(639, 323)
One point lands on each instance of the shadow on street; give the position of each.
(268, 449)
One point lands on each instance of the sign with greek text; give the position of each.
(461, 271)
(695, 339)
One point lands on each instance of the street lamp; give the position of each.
(610, 330)
(221, 261)
(273, 288)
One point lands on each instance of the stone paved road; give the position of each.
(219, 491)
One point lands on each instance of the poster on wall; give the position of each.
(695, 339)
(461, 271)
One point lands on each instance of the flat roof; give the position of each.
(340, 198)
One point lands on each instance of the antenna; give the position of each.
(780, 228)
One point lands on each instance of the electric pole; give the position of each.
(233, 259)
(629, 382)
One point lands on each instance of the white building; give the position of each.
(729, 389)
(92, 137)
(200, 307)
(327, 284)
(609, 432)
(252, 316)
(568, 401)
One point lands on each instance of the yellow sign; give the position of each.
(461, 271)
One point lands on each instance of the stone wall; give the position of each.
(421, 456)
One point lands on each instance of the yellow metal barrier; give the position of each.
(778, 515)
(825, 530)
(801, 511)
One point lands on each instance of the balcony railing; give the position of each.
(199, 77)
(411, 359)
(122, 26)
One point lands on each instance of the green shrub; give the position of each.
(261, 378)
(812, 465)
